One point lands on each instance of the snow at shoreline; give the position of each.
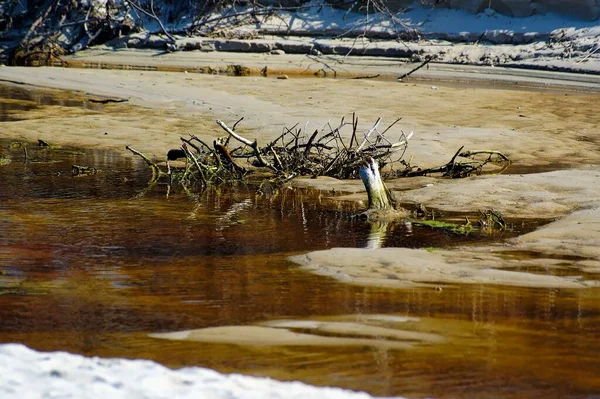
(429, 20)
(456, 21)
(28, 374)
(548, 41)
(433, 23)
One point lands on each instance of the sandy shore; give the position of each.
(538, 128)
(332, 65)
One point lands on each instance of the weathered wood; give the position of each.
(251, 144)
(380, 198)
(226, 155)
(455, 169)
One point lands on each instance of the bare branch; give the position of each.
(152, 15)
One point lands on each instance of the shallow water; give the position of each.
(92, 264)
(15, 99)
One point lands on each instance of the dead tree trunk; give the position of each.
(380, 198)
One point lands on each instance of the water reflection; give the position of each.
(15, 99)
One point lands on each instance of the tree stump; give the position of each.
(382, 204)
(380, 197)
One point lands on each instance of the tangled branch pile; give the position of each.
(296, 152)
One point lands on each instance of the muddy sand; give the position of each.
(550, 133)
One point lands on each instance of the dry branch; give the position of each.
(226, 155)
(251, 144)
(454, 169)
(426, 62)
(328, 151)
(471, 153)
(323, 152)
(151, 14)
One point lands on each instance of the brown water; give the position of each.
(92, 264)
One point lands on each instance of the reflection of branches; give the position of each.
(230, 217)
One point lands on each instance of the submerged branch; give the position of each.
(156, 172)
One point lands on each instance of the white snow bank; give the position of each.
(437, 20)
(25, 373)
(426, 20)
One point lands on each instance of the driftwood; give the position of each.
(338, 151)
(404, 76)
(382, 205)
(455, 169)
(323, 152)
(252, 144)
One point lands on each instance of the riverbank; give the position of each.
(547, 130)
(271, 62)
(544, 36)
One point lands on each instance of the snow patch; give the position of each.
(30, 374)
